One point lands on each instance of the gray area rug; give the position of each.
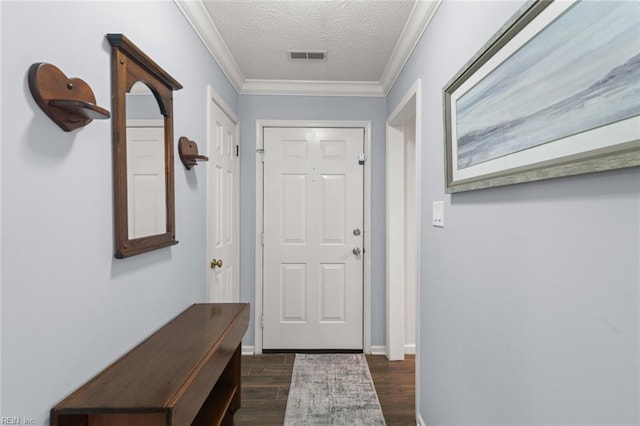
(332, 389)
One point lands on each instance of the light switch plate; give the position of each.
(438, 214)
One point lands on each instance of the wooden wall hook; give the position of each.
(188, 151)
(69, 102)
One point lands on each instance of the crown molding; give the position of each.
(421, 15)
(198, 17)
(312, 88)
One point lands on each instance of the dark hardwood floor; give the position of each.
(265, 385)
(266, 379)
(396, 389)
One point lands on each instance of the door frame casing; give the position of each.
(213, 96)
(366, 125)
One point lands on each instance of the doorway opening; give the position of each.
(403, 227)
(404, 153)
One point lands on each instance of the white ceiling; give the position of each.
(359, 36)
(367, 42)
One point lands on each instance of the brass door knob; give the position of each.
(216, 262)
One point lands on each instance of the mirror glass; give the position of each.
(146, 191)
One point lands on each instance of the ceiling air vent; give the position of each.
(299, 55)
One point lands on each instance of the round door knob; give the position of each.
(216, 262)
(356, 251)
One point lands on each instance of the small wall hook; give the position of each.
(188, 151)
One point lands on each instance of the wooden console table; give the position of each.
(186, 373)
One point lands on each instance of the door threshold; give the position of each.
(312, 351)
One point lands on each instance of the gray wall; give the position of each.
(143, 107)
(529, 309)
(256, 107)
(68, 307)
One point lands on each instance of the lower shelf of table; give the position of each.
(215, 410)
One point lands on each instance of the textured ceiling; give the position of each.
(358, 35)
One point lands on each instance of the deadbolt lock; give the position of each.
(356, 232)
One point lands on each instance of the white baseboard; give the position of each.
(378, 350)
(375, 350)
(382, 350)
(420, 421)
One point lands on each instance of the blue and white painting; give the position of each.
(580, 72)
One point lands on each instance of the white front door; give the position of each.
(222, 208)
(313, 238)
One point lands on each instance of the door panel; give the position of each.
(294, 208)
(222, 281)
(313, 200)
(333, 292)
(333, 200)
(293, 288)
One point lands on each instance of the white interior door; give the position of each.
(222, 208)
(146, 197)
(313, 238)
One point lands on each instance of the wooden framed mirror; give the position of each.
(142, 105)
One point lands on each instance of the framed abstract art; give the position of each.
(556, 92)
